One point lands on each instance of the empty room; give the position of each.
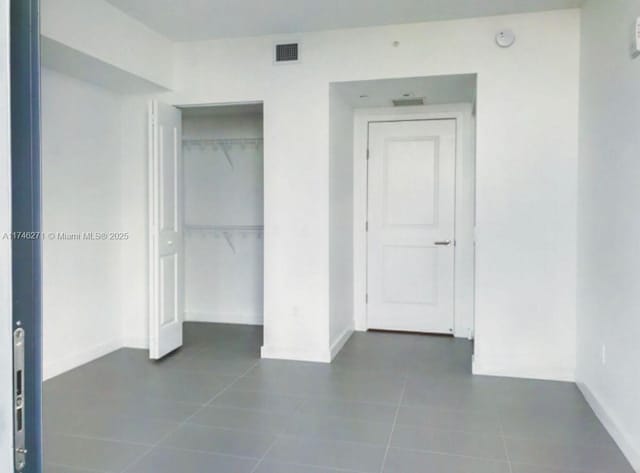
(319, 237)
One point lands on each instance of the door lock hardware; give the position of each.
(20, 452)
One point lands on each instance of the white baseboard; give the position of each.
(241, 318)
(512, 368)
(73, 360)
(295, 354)
(337, 345)
(134, 342)
(464, 332)
(612, 425)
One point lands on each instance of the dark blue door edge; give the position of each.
(26, 211)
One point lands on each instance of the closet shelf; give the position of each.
(228, 232)
(225, 145)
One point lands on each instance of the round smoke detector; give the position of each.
(505, 38)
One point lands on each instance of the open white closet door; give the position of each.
(166, 301)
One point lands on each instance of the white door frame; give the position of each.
(464, 266)
(6, 314)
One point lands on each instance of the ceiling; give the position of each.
(434, 90)
(190, 20)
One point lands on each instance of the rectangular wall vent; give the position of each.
(408, 102)
(287, 52)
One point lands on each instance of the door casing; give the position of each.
(464, 265)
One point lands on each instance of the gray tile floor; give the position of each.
(392, 403)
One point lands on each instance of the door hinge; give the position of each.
(366, 226)
(366, 298)
(367, 153)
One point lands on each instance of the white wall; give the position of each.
(83, 164)
(95, 41)
(215, 192)
(526, 174)
(223, 284)
(134, 132)
(609, 228)
(6, 363)
(341, 307)
(99, 30)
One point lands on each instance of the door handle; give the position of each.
(442, 243)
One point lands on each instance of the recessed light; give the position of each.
(364, 96)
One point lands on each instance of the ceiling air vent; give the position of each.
(408, 102)
(287, 52)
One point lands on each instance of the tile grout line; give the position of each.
(504, 445)
(393, 426)
(212, 453)
(284, 436)
(455, 455)
(216, 396)
(232, 383)
(72, 467)
(185, 421)
(297, 410)
(264, 456)
(315, 466)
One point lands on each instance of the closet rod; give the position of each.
(223, 141)
(226, 228)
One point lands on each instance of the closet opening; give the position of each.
(223, 229)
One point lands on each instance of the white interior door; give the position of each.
(166, 306)
(410, 279)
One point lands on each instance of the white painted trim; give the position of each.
(141, 343)
(295, 353)
(340, 342)
(465, 206)
(610, 422)
(151, 276)
(6, 342)
(70, 361)
(521, 367)
(240, 318)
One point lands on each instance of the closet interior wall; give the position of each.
(223, 214)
